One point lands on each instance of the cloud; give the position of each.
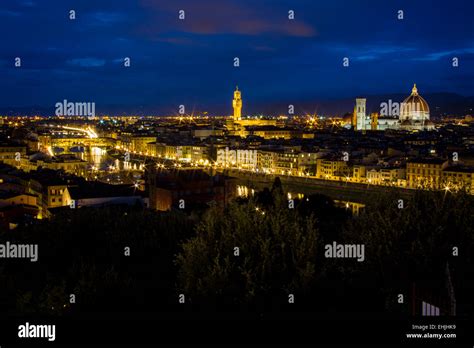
(106, 18)
(176, 40)
(366, 57)
(250, 26)
(209, 17)
(9, 13)
(434, 56)
(264, 48)
(86, 62)
(372, 50)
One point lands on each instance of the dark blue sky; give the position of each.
(190, 62)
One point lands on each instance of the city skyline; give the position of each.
(190, 61)
(232, 168)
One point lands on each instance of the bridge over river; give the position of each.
(344, 191)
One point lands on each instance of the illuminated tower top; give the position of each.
(237, 104)
(361, 114)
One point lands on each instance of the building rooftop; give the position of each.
(97, 189)
(181, 179)
(427, 160)
(459, 169)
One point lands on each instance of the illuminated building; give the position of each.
(286, 163)
(415, 112)
(139, 143)
(266, 160)
(242, 158)
(151, 149)
(203, 133)
(386, 176)
(15, 205)
(9, 154)
(439, 174)
(425, 173)
(50, 191)
(64, 144)
(458, 178)
(272, 132)
(374, 121)
(156, 149)
(307, 163)
(237, 125)
(359, 173)
(384, 123)
(11, 214)
(361, 117)
(185, 189)
(237, 105)
(332, 168)
(199, 153)
(67, 163)
(354, 118)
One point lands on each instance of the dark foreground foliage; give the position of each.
(281, 251)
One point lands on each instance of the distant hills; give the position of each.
(441, 104)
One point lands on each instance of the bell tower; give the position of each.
(237, 104)
(361, 114)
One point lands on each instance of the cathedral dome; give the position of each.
(414, 107)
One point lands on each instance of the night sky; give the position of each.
(190, 62)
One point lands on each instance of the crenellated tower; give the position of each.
(237, 104)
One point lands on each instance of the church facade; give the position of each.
(413, 114)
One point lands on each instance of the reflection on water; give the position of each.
(244, 191)
(355, 207)
(98, 158)
(291, 195)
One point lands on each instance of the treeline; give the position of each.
(250, 257)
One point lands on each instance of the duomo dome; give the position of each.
(415, 112)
